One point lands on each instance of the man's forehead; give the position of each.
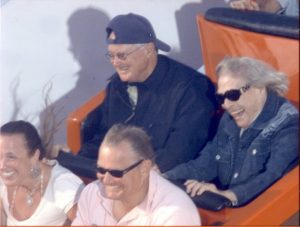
(116, 162)
(120, 151)
(119, 47)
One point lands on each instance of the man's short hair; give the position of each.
(137, 138)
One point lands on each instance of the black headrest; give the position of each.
(256, 21)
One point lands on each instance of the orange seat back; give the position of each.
(218, 40)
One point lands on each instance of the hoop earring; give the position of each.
(35, 171)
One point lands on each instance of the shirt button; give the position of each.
(235, 175)
(254, 151)
(218, 157)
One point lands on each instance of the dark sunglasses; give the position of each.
(232, 95)
(118, 173)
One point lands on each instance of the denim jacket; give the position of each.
(249, 164)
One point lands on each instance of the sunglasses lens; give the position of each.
(116, 173)
(101, 170)
(233, 95)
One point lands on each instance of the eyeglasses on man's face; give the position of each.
(118, 173)
(122, 56)
(232, 95)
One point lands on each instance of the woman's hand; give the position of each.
(194, 188)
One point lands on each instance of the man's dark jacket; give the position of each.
(175, 107)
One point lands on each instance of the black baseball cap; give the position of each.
(133, 29)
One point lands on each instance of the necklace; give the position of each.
(30, 193)
(12, 204)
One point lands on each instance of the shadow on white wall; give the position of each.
(87, 44)
(46, 56)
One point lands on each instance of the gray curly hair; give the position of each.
(257, 73)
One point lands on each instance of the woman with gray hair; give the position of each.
(256, 141)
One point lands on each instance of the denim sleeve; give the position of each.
(203, 168)
(284, 151)
(190, 129)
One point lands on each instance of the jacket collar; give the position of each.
(269, 110)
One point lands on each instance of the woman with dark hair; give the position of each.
(35, 191)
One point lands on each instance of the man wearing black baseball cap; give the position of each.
(170, 101)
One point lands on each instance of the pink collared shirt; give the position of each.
(165, 204)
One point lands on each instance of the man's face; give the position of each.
(120, 157)
(131, 61)
(251, 101)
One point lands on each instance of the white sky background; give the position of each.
(36, 43)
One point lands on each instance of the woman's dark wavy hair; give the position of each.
(30, 133)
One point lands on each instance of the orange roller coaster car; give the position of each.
(271, 38)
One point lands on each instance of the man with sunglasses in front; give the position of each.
(128, 190)
(172, 102)
(257, 139)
